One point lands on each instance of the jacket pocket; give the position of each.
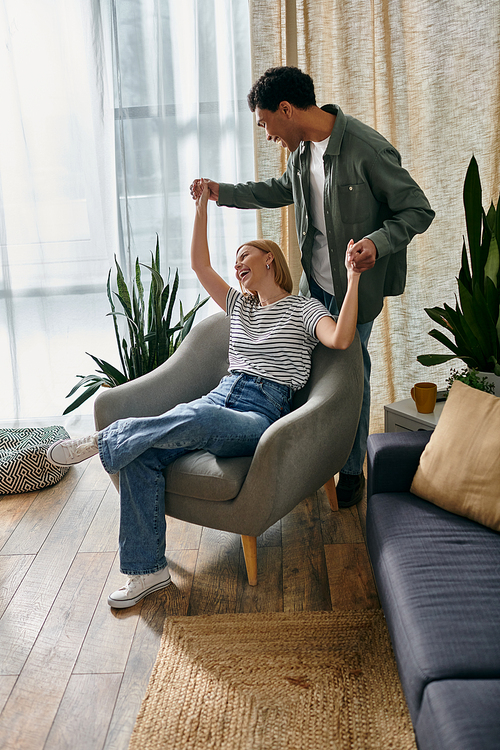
(354, 203)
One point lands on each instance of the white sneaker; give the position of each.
(137, 587)
(67, 452)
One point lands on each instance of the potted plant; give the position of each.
(474, 323)
(151, 336)
(472, 378)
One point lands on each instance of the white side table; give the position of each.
(403, 416)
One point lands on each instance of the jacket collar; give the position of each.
(335, 142)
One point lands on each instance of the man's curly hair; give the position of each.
(284, 84)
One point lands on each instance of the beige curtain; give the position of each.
(426, 74)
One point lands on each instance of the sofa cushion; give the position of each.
(438, 579)
(460, 715)
(207, 477)
(459, 469)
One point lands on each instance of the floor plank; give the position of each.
(27, 720)
(14, 569)
(267, 596)
(109, 638)
(218, 559)
(84, 693)
(7, 683)
(351, 581)
(182, 535)
(305, 578)
(28, 608)
(341, 526)
(35, 525)
(102, 535)
(12, 510)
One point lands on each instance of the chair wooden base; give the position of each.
(250, 552)
(331, 492)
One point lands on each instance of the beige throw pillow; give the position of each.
(459, 469)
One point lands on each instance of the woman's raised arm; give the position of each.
(200, 254)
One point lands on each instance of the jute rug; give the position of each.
(301, 681)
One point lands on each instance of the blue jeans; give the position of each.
(354, 464)
(229, 421)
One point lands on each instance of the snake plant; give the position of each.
(151, 338)
(474, 323)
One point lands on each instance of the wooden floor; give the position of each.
(72, 671)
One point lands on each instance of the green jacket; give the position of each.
(367, 194)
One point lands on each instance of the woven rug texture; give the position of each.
(300, 681)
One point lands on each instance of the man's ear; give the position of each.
(286, 108)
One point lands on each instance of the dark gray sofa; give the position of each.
(438, 577)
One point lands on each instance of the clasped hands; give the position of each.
(196, 188)
(361, 255)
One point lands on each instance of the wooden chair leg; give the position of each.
(250, 553)
(331, 492)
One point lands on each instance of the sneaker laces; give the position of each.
(80, 446)
(132, 582)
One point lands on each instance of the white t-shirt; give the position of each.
(275, 341)
(321, 270)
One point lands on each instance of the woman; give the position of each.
(272, 337)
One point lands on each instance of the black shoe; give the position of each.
(350, 489)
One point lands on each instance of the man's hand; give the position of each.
(196, 188)
(362, 254)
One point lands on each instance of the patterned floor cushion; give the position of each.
(23, 461)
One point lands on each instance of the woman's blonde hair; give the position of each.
(282, 274)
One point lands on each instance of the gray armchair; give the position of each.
(295, 456)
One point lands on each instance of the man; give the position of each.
(346, 181)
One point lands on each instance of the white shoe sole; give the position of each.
(124, 603)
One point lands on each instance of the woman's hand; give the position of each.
(202, 195)
(350, 259)
(363, 254)
(196, 189)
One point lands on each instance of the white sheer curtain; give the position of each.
(180, 71)
(57, 201)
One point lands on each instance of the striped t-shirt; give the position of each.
(274, 341)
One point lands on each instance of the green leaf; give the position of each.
(496, 366)
(492, 297)
(444, 340)
(123, 293)
(439, 316)
(115, 375)
(485, 323)
(87, 380)
(173, 295)
(467, 343)
(428, 360)
(473, 212)
(492, 265)
(138, 280)
(82, 398)
(464, 274)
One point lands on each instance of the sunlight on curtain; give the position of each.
(426, 75)
(57, 201)
(165, 82)
(182, 73)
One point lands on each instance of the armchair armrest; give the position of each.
(392, 460)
